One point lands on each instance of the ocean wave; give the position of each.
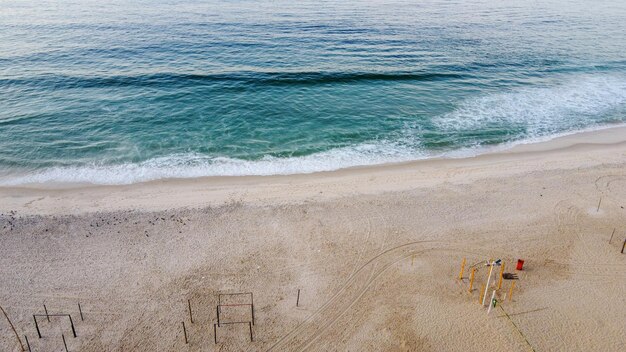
(536, 111)
(196, 165)
(241, 78)
(525, 114)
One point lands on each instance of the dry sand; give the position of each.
(374, 251)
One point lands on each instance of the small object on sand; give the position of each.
(509, 276)
(497, 262)
(520, 264)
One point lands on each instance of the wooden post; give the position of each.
(218, 314)
(252, 299)
(37, 326)
(46, 310)
(13, 328)
(27, 343)
(250, 325)
(623, 245)
(190, 314)
(72, 323)
(487, 287)
(298, 299)
(511, 290)
(480, 296)
(613, 233)
(81, 312)
(185, 333)
(215, 333)
(471, 280)
(493, 298)
(64, 344)
(462, 269)
(501, 274)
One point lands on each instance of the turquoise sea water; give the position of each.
(119, 92)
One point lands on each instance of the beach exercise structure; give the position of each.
(220, 320)
(485, 287)
(53, 315)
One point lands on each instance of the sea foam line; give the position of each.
(197, 165)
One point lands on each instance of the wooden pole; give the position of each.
(250, 325)
(623, 245)
(72, 324)
(501, 274)
(252, 307)
(487, 287)
(511, 290)
(27, 343)
(298, 299)
(13, 328)
(185, 333)
(190, 314)
(37, 326)
(613, 233)
(493, 298)
(462, 269)
(215, 333)
(599, 202)
(480, 296)
(46, 310)
(471, 280)
(81, 312)
(64, 343)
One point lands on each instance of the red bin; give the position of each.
(520, 264)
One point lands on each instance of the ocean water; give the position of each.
(119, 92)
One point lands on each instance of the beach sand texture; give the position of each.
(375, 253)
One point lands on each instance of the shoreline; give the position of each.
(594, 134)
(585, 149)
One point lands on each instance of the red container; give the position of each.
(520, 264)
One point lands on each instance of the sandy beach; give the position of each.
(374, 254)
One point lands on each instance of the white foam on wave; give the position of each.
(576, 103)
(196, 165)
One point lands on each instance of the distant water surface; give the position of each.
(119, 92)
